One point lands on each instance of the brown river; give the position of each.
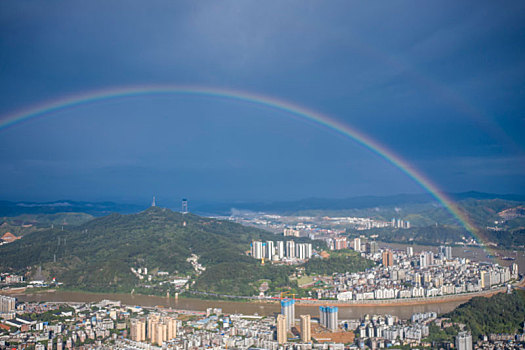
(251, 308)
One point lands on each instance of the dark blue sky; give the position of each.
(441, 83)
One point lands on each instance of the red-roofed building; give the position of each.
(8, 237)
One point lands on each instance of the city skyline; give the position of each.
(295, 175)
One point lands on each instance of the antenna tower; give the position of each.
(184, 206)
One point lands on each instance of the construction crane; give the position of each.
(288, 292)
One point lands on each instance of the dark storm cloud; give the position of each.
(440, 83)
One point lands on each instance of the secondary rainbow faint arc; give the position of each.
(47, 108)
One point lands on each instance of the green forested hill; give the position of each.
(98, 255)
(501, 313)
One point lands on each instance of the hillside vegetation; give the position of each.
(99, 255)
(501, 313)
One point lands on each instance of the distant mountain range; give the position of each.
(9, 208)
(361, 202)
(494, 212)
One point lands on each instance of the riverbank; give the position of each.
(405, 302)
(260, 307)
(303, 302)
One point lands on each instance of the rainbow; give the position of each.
(292, 109)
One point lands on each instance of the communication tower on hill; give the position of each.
(184, 206)
(153, 204)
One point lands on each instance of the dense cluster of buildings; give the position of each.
(403, 274)
(308, 226)
(155, 328)
(8, 278)
(399, 223)
(110, 325)
(50, 326)
(383, 330)
(307, 334)
(357, 244)
(328, 317)
(280, 250)
(312, 226)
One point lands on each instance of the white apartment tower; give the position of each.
(257, 250)
(280, 249)
(270, 249)
(290, 249)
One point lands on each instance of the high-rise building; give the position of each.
(464, 341)
(422, 260)
(257, 250)
(280, 249)
(290, 249)
(356, 244)
(417, 278)
(282, 330)
(303, 251)
(184, 205)
(60, 343)
(340, 243)
(288, 310)
(445, 252)
(388, 258)
(7, 304)
(484, 279)
(322, 316)
(430, 258)
(151, 334)
(372, 247)
(427, 278)
(291, 232)
(172, 327)
(328, 317)
(426, 259)
(300, 251)
(159, 329)
(399, 223)
(134, 330)
(138, 330)
(309, 250)
(306, 331)
(270, 249)
(410, 252)
(514, 270)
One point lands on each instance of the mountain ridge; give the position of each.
(100, 254)
(102, 208)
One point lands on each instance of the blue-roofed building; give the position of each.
(328, 317)
(288, 310)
